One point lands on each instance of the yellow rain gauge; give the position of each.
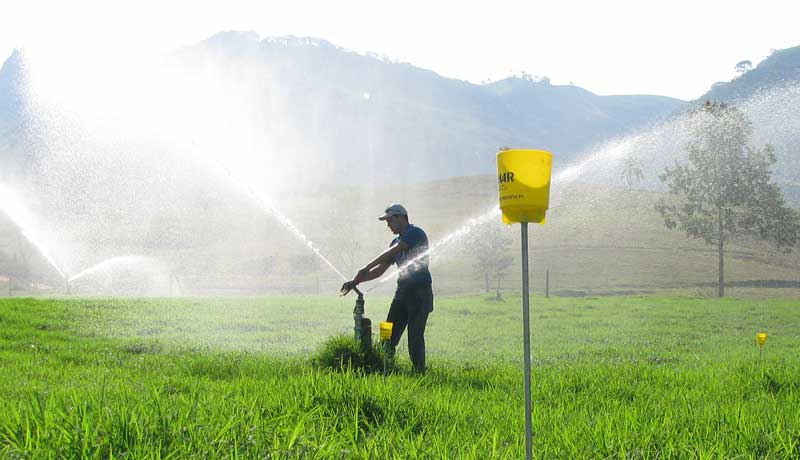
(523, 181)
(761, 339)
(386, 337)
(386, 331)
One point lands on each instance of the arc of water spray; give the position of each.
(285, 221)
(567, 174)
(462, 231)
(108, 263)
(11, 205)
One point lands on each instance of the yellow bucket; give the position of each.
(386, 331)
(523, 180)
(761, 338)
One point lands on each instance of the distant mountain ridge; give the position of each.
(416, 123)
(11, 114)
(365, 116)
(11, 74)
(770, 94)
(780, 69)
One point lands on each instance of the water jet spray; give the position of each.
(12, 206)
(280, 217)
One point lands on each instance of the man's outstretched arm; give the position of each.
(363, 276)
(387, 257)
(375, 268)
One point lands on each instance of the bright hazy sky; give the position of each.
(675, 48)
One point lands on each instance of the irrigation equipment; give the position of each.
(363, 326)
(386, 337)
(523, 183)
(761, 340)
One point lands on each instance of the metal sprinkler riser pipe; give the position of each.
(362, 326)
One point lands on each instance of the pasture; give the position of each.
(613, 377)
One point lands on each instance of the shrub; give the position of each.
(343, 352)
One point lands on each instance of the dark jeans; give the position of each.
(411, 306)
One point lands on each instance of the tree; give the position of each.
(490, 248)
(725, 191)
(631, 171)
(743, 66)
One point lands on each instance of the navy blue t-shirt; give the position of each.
(417, 242)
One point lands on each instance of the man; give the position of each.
(413, 300)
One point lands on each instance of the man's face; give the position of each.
(394, 224)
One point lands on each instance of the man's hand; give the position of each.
(348, 286)
(365, 274)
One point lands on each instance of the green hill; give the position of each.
(597, 240)
(780, 69)
(359, 115)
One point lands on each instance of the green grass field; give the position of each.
(614, 377)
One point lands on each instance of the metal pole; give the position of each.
(547, 284)
(526, 340)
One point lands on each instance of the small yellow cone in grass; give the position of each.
(386, 331)
(761, 338)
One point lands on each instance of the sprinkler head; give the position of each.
(359, 308)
